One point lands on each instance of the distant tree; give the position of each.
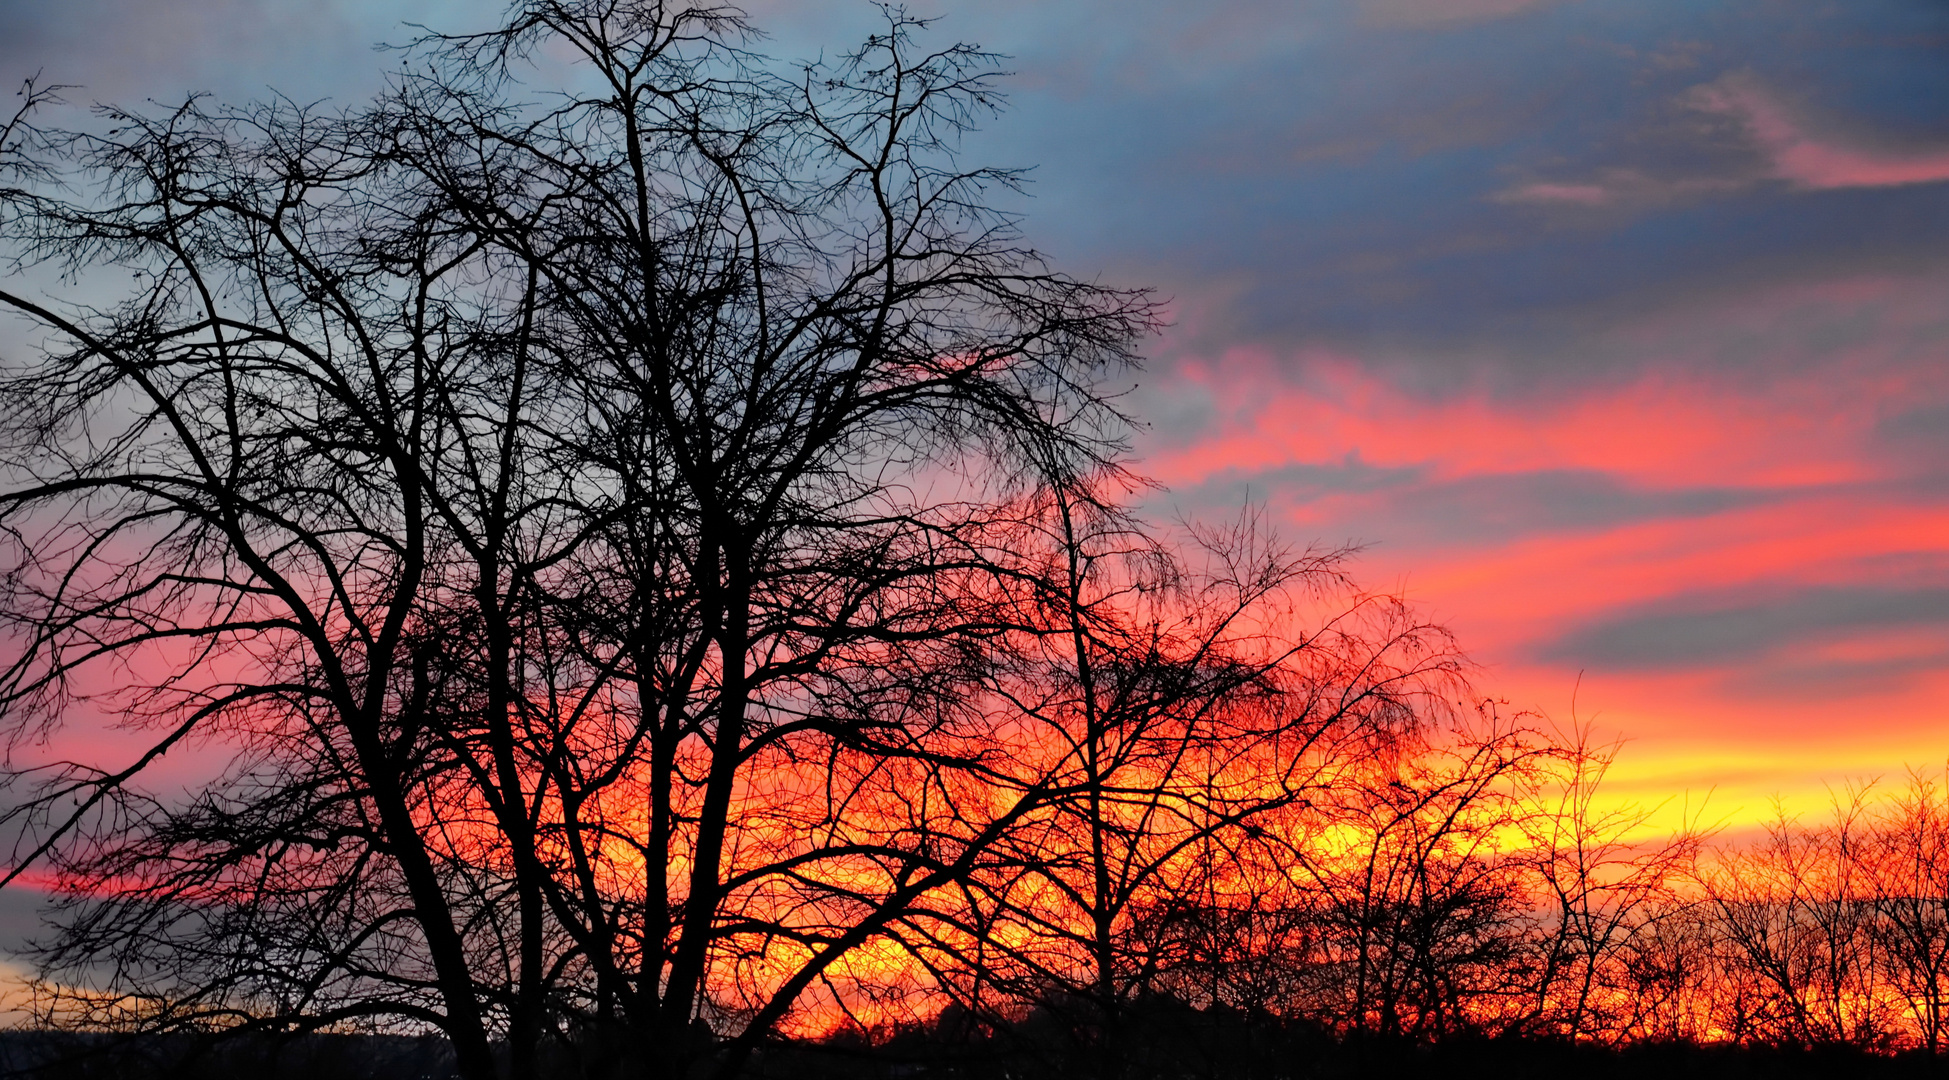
(1669, 976)
(1425, 923)
(1909, 867)
(1169, 699)
(1793, 914)
(1603, 878)
(578, 512)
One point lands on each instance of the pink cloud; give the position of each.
(1660, 432)
(1809, 161)
(1831, 523)
(1836, 514)
(1791, 152)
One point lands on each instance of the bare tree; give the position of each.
(1168, 700)
(1425, 926)
(1669, 975)
(575, 511)
(1794, 915)
(1909, 867)
(1603, 881)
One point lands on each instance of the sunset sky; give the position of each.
(1617, 329)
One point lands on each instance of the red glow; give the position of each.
(1812, 500)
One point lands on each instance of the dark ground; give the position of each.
(1265, 1054)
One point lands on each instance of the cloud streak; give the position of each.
(1808, 161)
(1709, 630)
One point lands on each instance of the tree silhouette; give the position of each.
(573, 510)
(1170, 700)
(1909, 868)
(1603, 887)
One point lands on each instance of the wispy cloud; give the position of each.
(1616, 188)
(1707, 629)
(1575, 194)
(1809, 160)
(1754, 137)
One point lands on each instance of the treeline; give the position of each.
(1472, 906)
(1479, 889)
(1821, 934)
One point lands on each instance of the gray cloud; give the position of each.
(1505, 507)
(1842, 682)
(22, 914)
(1405, 506)
(1919, 433)
(1304, 172)
(1443, 12)
(1298, 483)
(1706, 630)
(1383, 191)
